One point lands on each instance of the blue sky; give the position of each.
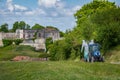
(57, 13)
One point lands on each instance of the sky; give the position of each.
(57, 13)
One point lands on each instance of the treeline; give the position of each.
(22, 25)
(98, 20)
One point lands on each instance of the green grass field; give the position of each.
(59, 70)
(56, 70)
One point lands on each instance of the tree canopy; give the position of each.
(4, 27)
(20, 25)
(37, 26)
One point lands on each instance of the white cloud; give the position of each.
(29, 13)
(40, 11)
(47, 3)
(19, 7)
(10, 5)
(36, 11)
(60, 5)
(70, 12)
(76, 8)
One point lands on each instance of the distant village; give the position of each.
(27, 35)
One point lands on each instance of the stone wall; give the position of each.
(1, 37)
(41, 36)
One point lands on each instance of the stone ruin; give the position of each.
(39, 44)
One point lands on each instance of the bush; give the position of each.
(8, 42)
(18, 41)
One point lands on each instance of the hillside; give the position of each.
(9, 52)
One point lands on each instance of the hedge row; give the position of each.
(8, 42)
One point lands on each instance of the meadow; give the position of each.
(55, 70)
(58, 70)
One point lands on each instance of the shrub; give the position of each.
(8, 42)
(18, 41)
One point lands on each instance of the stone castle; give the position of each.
(28, 35)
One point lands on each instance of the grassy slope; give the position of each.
(61, 70)
(7, 53)
(114, 54)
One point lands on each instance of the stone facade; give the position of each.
(28, 35)
(44, 33)
(1, 43)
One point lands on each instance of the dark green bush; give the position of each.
(8, 42)
(18, 41)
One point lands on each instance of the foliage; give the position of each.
(4, 27)
(83, 16)
(18, 41)
(59, 50)
(108, 29)
(48, 42)
(37, 26)
(72, 55)
(8, 42)
(94, 20)
(62, 34)
(51, 27)
(63, 50)
(20, 25)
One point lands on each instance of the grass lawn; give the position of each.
(58, 70)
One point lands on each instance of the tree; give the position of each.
(108, 29)
(90, 25)
(4, 27)
(27, 26)
(22, 25)
(83, 16)
(37, 26)
(52, 27)
(15, 26)
(62, 34)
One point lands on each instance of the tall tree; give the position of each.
(27, 26)
(83, 16)
(22, 25)
(15, 26)
(108, 29)
(4, 27)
